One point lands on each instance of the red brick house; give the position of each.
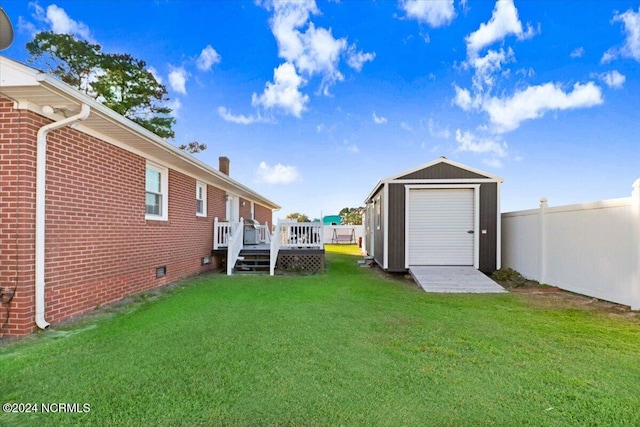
(93, 207)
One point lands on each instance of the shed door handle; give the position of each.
(470, 231)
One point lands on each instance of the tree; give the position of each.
(298, 217)
(193, 147)
(119, 81)
(351, 216)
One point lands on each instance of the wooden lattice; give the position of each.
(300, 262)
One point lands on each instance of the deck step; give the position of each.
(253, 261)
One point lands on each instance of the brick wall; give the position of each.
(99, 247)
(263, 214)
(245, 209)
(17, 211)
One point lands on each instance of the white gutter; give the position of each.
(41, 175)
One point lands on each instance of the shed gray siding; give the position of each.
(489, 222)
(378, 245)
(396, 227)
(434, 173)
(442, 171)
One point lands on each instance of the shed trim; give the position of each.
(385, 246)
(498, 229)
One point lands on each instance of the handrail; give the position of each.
(275, 248)
(221, 231)
(292, 234)
(236, 240)
(265, 235)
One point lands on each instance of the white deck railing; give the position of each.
(293, 234)
(265, 235)
(221, 231)
(236, 240)
(275, 248)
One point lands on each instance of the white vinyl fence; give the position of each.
(347, 234)
(591, 249)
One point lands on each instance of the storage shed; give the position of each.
(441, 213)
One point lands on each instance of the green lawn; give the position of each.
(349, 347)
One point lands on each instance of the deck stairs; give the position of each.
(253, 261)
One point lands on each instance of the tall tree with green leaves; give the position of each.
(296, 216)
(351, 216)
(119, 81)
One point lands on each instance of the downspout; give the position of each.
(41, 175)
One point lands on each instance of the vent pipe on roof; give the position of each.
(224, 165)
(41, 179)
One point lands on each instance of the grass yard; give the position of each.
(350, 347)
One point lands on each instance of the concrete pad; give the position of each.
(454, 279)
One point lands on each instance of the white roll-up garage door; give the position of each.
(440, 225)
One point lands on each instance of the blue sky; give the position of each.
(314, 102)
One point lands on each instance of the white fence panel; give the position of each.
(592, 248)
(341, 232)
(521, 242)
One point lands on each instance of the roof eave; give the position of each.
(176, 157)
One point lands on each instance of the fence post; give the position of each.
(635, 209)
(543, 240)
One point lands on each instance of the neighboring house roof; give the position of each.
(32, 90)
(328, 219)
(405, 174)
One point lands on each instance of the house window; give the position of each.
(378, 213)
(201, 199)
(156, 189)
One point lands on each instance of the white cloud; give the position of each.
(506, 114)
(379, 120)
(356, 60)
(241, 119)
(631, 46)
(468, 141)
(312, 50)
(504, 22)
(613, 79)
(284, 93)
(487, 66)
(208, 58)
(435, 13)
(178, 79)
(60, 22)
(278, 174)
(577, 53)
(463, 98)
(406, 126)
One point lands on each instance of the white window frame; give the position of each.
(164, 191)
(201, 186)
